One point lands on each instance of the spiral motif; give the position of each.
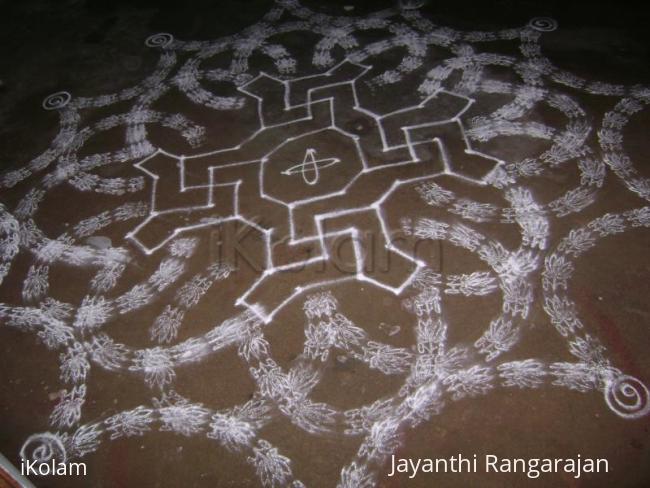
(627, 397)
(57, 100)
(543, 24)
(510, 256)
(43, 447)
(162, 39)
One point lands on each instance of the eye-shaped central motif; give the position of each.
(323, 158)
(315, 165)
(311, 167)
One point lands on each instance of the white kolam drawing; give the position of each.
(323, 164)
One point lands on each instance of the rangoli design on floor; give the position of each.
(322, 165)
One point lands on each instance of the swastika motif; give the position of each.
(414, 139)
(306, 153)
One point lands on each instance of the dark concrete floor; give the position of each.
(518, 223)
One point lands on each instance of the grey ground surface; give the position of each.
(557, 173)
